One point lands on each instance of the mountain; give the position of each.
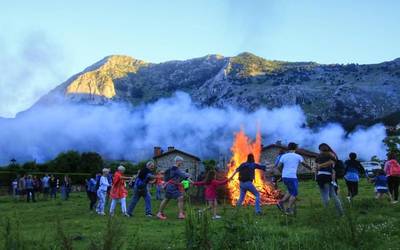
(351, 94)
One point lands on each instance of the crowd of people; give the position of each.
(105, 189)
(29, 187)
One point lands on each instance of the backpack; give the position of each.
(339, 169)
(394, 168)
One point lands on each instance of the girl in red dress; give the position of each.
(118, 191)
(211, 183)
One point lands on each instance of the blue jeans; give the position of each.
(136, 196)
(328, 191)
(53, 192)
(65, 192)
(248, 186)
(158, 192)
(102, 201)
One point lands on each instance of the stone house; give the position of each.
(165, 160)
(270, 152)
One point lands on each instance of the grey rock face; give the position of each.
(349, 94)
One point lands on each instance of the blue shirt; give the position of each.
(92, 185)
(29, 184)
(46, 181)
(381, 182)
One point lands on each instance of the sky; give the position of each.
(42, 43)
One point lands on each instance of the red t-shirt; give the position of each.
(211, 189)
(118, 190)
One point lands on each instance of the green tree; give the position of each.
(90, 162)
(209, 164)
(29, 165)
(392, 143)
(66, 162)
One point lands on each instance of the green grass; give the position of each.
(368, 224)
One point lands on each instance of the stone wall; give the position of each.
(189, 163)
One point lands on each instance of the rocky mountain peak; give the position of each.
(98, 79)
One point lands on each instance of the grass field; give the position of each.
(368, 224)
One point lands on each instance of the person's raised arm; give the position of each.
(306, 165)
(261, 167)
(325, 164)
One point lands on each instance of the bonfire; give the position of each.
(242, 146)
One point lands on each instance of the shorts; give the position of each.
(292, 185)
(172, 192)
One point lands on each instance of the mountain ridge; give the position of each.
(345, 93)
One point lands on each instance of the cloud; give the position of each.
(121, 131)
(29, 67)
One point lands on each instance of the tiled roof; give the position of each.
(176, 151)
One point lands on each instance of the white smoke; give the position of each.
(125, 132)
(25, 62)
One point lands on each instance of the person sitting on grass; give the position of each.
(288, 163)
(173, 188)
(103, 185)
(211, 183)
(246, 172)
(118, 191)
(381, 185)
(140, 189)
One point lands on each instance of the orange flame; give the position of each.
(242, 146)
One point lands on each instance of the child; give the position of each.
(159, 186)
(211, 183)
(381, 185)
(102, 191)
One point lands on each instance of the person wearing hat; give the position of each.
(102, 191)
(118, 191)
(173, 188)
(289, 162)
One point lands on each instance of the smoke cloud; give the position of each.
(119, 131)
(24, 63)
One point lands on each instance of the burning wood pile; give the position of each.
(242, 146)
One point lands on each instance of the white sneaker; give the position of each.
(216, 217)
(349, 198)
(394, 202)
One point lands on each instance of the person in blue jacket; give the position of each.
(246, 172)
(353, 169)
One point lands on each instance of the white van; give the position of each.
(370, 166)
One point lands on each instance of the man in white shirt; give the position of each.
(290, 162)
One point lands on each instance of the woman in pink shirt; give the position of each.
(392, 169)
(211, 183)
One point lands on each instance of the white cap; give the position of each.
(178, 158)
(149, 163)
